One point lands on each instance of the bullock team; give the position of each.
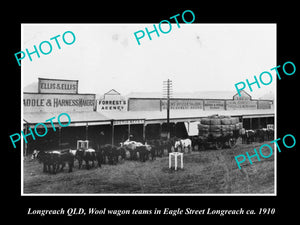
(55, 161)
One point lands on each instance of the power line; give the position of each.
(167, 92)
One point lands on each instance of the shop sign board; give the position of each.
(128, 122)
(182, 104)
(264, 104)
(35, 102)
(214, 104)
(241, 104)
(57, 86)
(112, 101)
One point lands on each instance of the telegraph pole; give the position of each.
(167, 93)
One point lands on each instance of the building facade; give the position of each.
(112, 118)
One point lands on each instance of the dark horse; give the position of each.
(112, 153)
(54, 161)
(86, 155)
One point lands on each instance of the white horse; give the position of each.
(183, 143)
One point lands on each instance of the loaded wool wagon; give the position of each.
(218, 131)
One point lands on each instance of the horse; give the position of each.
(156, 149)
(54, 159)
(167, 144)
(250, 136)
(143, 152)
(183, 143)
(112, 153)
(121, 151)
(86, 155)
(132, 146)
(153, 150)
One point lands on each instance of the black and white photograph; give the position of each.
(149, 112)
(166, 109)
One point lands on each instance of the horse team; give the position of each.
(259, 135)
(55, 161)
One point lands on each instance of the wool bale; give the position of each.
(238, 126)
(231, 127)
(204, 134)
(226, 121)
(214, 116)
(215, 134)
(215, 128)
(225, 117)
(225, 127)
(234, 120)
(215, 121)
(205, 121)
(224, 131)
(203, 127)
(227, 133)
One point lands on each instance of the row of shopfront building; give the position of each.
(112, 118)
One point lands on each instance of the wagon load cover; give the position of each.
(217, 126)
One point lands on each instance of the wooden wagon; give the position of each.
(217, 132)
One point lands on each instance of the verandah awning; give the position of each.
(77, 118)
(137, 117)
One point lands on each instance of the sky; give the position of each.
(196, 57)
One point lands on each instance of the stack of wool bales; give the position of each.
(217, 126)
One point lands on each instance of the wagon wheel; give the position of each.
(219, 145)
(232, 142)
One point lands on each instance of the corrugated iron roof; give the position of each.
(183, 114)
(186, 95)
(107, 117)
